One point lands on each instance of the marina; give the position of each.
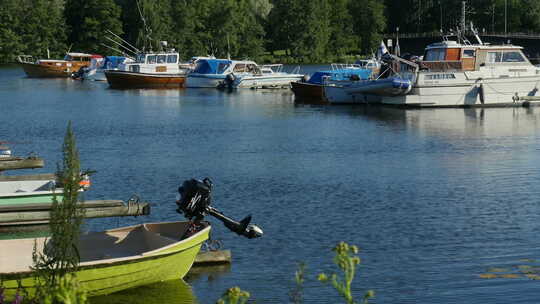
(269, 152)
(433, 197)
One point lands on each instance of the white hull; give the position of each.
(199, 81)
(507, 91)
(338, 95)
(269, 81)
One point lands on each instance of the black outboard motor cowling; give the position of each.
(194, 203)
(194, 198)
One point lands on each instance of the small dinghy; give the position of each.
(115, 259)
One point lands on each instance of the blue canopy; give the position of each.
(211, 66)
(341, 74)
(112, 62)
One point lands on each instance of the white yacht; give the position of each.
(454, 74)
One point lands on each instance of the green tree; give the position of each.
(60, 255)
(88, 21)
(342, 38)
(11, 42)
(369, 23)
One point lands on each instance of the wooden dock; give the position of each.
(208, 258)
(14, 163)
(31, 214)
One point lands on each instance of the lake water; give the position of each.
(443, 203)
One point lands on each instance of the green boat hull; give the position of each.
(111, 276)
(29, 199)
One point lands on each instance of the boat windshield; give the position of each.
(140, 58)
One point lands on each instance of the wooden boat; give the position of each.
(125, 80)
(308, 92)
(150, 70)
(116, 259)
(71, 63)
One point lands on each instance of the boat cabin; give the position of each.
(154, 63)
(226, 66)
(451, 56)
(80, 57)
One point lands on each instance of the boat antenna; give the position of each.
(117, 50)
(228, 48)
(134, 49)
(475, 32)
(147, 30)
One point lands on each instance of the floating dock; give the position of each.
(32, 214)
(209, 258)
(15, 162)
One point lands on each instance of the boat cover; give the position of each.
(211, 66)
(341, 74)
(112, 62)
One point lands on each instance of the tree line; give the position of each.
(293, 30)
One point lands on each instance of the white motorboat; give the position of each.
(210, 73)
(266, 76)
(98, 66)
(456, 73)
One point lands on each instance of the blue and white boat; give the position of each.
(98, 65)
(211, 73)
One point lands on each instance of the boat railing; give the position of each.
(342, 66)
(276, 68)
(26, 59)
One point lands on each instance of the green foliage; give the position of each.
(88, 21)
(346, 259)
(68, 291)
(60, 256)
(296, 295)
(234, 295)
(316, 31)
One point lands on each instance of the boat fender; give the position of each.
(481, 93)
(305, 78)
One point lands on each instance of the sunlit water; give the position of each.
(438, 200)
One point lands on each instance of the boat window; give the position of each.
(75, 58)
(222, 67)
(152, 59)
(512, 56)
(494, 57)
(140, 58)
(468, 54)
(440, 76)
(240, 67)
(86, 58)
(435, 55)
(172, 58)
(161, 58)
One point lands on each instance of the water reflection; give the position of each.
(468, 122)
(207, 273)
(170, 292)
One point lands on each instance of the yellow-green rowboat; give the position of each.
(115, 259)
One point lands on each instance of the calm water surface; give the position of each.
(438, 200)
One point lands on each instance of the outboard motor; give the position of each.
(229, 81)
(195, 202)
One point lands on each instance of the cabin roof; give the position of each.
(454, 44)
(80, 55)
